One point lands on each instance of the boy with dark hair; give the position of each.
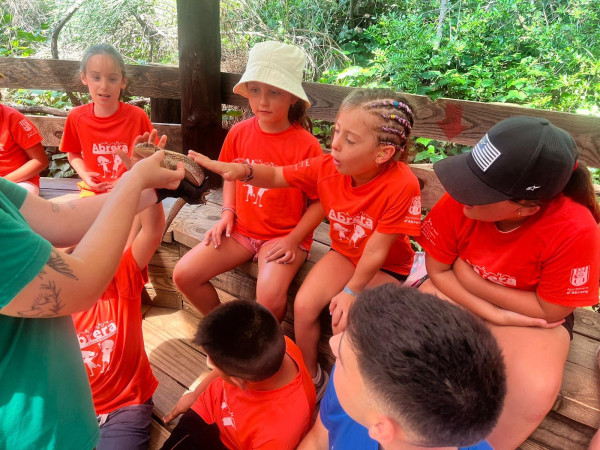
(412, 371)
(259, 395)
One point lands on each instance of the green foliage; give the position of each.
(539, 54)
(35, 97)
(15, 41)
(59, 166)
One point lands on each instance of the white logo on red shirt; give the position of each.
(25, 125)
(345, 224)
(580, 276)
(415, 206)
(103, 345)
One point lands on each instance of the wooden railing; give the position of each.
(458, 121)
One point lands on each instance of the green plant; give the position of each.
(59, 166)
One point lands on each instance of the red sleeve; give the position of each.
(130, 278)
(404, 215)
(570, 276)
(69, 142)
(204, 405)
(305, 175)
(438, 231)
(24, 133)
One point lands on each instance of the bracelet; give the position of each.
(250, 175)
(229, 208)
(347, 290)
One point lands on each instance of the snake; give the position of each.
(193, 173)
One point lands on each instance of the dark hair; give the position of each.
(433, 367)
(243, 339)
(581, 189)
(103, 49)
(392, 117)
(298, 114)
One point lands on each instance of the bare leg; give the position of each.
(323, 282)
(535, 359)
(595, 443)
(194, 270)
(274, 280)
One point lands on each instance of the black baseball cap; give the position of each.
(519, 158)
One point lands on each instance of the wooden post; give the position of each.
(165, 110)
(200, 76)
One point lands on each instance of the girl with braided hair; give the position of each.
(372, 201)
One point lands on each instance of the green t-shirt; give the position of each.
(45, 398)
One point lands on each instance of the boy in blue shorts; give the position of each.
(412, 371)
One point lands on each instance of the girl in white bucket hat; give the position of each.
(272, 226)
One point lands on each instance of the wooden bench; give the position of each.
(170, 322)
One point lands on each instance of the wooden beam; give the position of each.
(52, 129)
(458, 121)
(200, 76)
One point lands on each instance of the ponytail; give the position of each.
(298, 114)
(581, 189)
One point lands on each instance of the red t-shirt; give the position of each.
(112, 345)
(390, 203)
(555, 253)
(16, 134)
(275, 419)
(268, 213)
(97, 138)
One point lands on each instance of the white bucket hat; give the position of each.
(277, 64)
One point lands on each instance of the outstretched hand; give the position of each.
(229, 171)
(183, 404)
(147, 137)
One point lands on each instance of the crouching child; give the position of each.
(259, 394)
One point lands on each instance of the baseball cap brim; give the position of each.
(463, 184)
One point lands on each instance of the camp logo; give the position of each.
(580, 276)
(415, 206)
(25, 125)
(108, 148)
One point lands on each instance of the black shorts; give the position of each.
(192, 432)
(569, 323)
(401, 278)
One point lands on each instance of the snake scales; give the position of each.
(193, 173)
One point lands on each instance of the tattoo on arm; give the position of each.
(46, 304)
(57, 263)
(55, 207)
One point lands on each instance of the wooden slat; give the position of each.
(558, 432)
(51, 128)
(472, 119)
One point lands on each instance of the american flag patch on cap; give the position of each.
(484, 153)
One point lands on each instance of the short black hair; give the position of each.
(433, 367)
(243, 339)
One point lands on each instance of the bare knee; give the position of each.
(306, 309)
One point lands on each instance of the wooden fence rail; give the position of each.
(458, 121)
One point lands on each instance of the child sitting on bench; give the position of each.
(259, 394)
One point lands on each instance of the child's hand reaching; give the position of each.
(339, 308)
(229, 171)
(215, 234)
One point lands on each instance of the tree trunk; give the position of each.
(443, 11)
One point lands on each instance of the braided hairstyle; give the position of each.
(392, 118)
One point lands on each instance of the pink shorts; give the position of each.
(254, 245)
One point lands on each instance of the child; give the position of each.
(111, 342)
(94, 132)
(515, 241)
(412, 372)
(259, 394)
(22, 156)
(372, 201)
(267, 225)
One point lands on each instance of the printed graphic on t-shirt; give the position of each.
(495, 277)
(27, 127)
(351, 229)
(106, 157)
(227, 418)
(97, 347)
(579, 278)
(254, 194)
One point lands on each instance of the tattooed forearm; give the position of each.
(57, 263)
(55, 207)
(46, 304)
